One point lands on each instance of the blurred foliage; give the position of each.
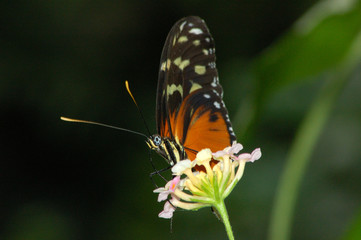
(71, 58)
(354, 232)
(304, 52)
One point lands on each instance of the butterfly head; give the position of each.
(170, 150)
(154, 141)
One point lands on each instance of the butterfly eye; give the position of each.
(157, 140)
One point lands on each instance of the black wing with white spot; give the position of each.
(188, 87)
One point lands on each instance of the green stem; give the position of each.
(304, 143)
(221, 208)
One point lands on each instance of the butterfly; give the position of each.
(190, 112)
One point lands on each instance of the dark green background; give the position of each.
(69, 181)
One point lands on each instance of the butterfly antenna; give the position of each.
(101, 124)
(140, 112)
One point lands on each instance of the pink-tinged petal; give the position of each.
(168, 189)
(174, 183)
(163, 195)
(244, 156)
(256, 154)
(219, 154)
(236, 147)
(167, 211)
(231, 151)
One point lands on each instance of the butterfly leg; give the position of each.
(156, 171)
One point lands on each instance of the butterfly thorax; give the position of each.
(172, 151)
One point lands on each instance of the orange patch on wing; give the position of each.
(204, 133)
(165, 130)
(201, 133)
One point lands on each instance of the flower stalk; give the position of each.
(221, 208)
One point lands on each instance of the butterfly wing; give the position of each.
(190, 109)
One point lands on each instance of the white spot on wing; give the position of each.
(206, 95)
(212, 64)
(214, 82)
(196, 31)
(217, 105)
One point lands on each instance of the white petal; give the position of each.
(158, 190)
(181, 166)
(181, 183)
(219, 154)
(204, 155)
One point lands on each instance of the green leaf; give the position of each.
(318, 42)
(309, 49)
(354, 232)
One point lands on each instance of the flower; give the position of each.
(208, 187)
(169, 188)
